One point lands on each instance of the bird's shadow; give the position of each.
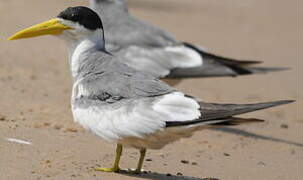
(257, 136)
(159, 176)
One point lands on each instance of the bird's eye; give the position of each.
(75, 17)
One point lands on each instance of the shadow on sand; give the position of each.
(158, 176)
(257, 136)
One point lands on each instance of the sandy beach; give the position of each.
(35, 86)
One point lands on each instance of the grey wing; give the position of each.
(130, 31)
(185, 61)
(212, 113)
(123, 30)
(118, 79)
(216, 111)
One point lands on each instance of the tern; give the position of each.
(123, 105)
(150, 49)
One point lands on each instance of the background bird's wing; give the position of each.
(215, 65)
(126, 30)
(159, 61)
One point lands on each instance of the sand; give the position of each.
(35, 86)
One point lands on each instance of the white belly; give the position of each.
(117, 124)
(139, 123)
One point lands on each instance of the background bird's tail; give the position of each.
(216, 66)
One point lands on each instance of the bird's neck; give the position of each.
(80, 50)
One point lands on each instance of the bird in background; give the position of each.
(123, 105)
(150, 49)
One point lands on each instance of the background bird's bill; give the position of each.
(51, 27)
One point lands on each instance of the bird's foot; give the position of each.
(134, 171)
(118, 170)
(111, 170)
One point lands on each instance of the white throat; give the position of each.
(80, 49)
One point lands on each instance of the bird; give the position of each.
(125, 106)
(150, 49)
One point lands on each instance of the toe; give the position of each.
(107, 169)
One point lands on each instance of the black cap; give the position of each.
(82, 15)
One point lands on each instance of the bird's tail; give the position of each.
(223, 114)
(240, 67)
(216, 66)
(223, 60)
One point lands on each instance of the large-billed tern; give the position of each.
(150, 49)
(121, 104)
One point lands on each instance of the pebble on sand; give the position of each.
(284, 126)
(184, 161)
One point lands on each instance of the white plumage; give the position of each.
(160, 61)
(183, 57)
(177, 107)
(140, 120)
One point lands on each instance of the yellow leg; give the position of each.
(140, 162)
(116, 167)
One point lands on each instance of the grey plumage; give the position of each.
(111, 84)
(101, 72)
(143, 47)
(123, 30)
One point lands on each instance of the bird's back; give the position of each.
(123, 30)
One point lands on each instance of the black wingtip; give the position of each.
(246, 70)
(265, 105)
(224, 60)
(282, 102)
(263, 70)
(238, 121)
(240, 67)
(247, 62)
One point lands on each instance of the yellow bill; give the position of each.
(51, 27)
